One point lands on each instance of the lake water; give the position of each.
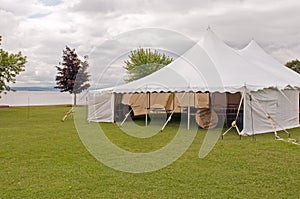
(35, 98)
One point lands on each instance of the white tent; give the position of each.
(212, 66)
(281, 103)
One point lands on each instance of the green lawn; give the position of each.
(42, 157)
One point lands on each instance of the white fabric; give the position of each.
(193, 71)
(213, 66)
(255, 54)
(281, 106)
(101, 106)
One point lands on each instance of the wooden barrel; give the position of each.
(206, 118)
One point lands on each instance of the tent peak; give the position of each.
(209, 30)
(254, 46)
(253, 42)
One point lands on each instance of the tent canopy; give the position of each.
(211, 65)
(255, 54)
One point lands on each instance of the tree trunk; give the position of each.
(75, 99)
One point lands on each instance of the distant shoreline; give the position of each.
(37, 88)
(34, 88)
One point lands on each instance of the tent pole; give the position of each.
(146, 119)
(188, 112)
(173, 101)
(147, 108)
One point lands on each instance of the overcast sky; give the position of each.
(42, 28)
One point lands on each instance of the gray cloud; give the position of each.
(8, 23)
(107, 59)
(51, 2)
(42, 28)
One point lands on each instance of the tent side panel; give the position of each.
(288, 115)
(282, 106)
(101, 107)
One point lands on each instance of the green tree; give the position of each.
(72, 75)
(10, 66)
(143, 62)
(294, 65)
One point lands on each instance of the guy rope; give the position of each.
(233, 124)
(273, 122)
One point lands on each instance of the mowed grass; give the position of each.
(42, 157)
